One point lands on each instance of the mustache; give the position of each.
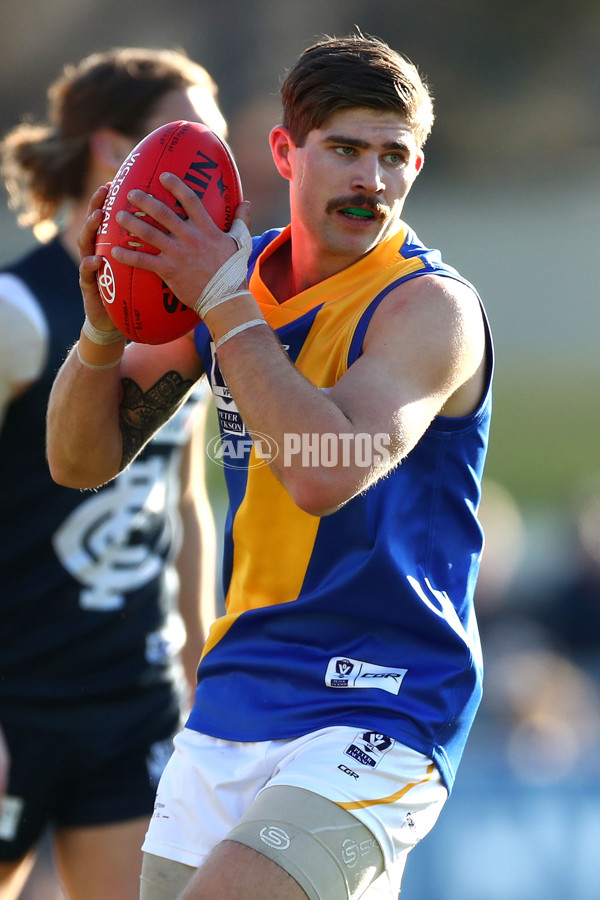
(366, 201)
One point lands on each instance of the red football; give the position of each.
(139, 302)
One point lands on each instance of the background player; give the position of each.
(92, 688)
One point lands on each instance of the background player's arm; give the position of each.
(99, 419)
(196, 563)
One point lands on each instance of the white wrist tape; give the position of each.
(100, 337)
(225, 282)
(110, 365)
(238, 330)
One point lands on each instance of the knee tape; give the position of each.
(163, 879)
(328, 851)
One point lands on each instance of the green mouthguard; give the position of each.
(355, 211)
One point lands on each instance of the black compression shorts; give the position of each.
(80, 764)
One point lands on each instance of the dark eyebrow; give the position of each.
(363, 145)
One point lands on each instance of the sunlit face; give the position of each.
(194, 104)
(349, 181)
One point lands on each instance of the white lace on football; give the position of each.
(226, 281)
(96, 336)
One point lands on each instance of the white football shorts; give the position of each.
(208, 785)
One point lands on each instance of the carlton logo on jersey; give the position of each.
(115, 542)
(343, 672)
(117, 539)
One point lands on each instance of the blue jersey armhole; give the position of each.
(433, 265)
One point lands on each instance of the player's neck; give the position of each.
(286, 275)
(278, 275)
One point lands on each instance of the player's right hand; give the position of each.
(91, 263)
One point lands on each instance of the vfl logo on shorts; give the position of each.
(369, 747)
(343, 672)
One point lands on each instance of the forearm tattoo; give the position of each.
(142, 414)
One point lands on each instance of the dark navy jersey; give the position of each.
(87, 578)
(363, 617)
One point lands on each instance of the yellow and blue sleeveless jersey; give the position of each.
(363, 617)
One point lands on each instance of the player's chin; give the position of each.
(383, 228)
(359, 238)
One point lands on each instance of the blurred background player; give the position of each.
(92, 685)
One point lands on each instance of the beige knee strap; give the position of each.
(163, 879)
(328, 851)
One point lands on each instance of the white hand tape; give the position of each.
(230, 275)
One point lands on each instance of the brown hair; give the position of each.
(45, 164)
(350, 72)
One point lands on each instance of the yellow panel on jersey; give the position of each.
(255, 581)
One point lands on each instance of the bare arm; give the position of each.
(424, 353)
(196, 563)
(99, 419)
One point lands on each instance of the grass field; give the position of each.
(546, 431)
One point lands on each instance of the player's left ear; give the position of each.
(419, 161)
(281, 144)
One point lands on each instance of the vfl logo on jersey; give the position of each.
(369, 747)
(343, 669)
(343, 672)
